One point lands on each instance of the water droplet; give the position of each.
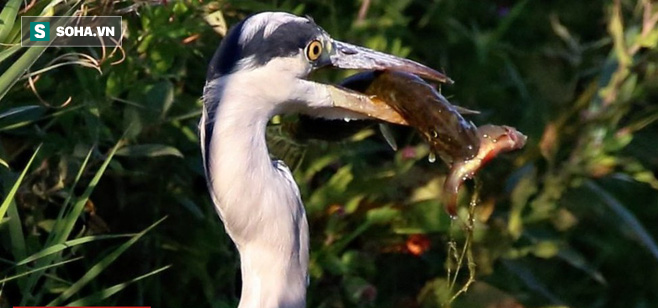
(347, 119)
(431, 157)
(453, 217)
(485, 136)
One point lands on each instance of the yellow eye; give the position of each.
(314, 50)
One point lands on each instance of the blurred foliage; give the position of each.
(97, 146)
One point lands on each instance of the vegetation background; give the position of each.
(98, 146)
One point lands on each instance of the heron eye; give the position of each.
(314, 50)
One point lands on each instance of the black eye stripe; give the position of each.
(287, 40)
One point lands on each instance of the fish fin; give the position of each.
(465, 111)
(388, 136)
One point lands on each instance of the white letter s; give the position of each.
(39, 29)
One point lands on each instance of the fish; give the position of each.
(494, 139)
(463, 146)
(440, 123)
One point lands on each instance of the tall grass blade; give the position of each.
(627, 217)
(79, 205)
(16, 237)
(16, 232)
(69, 244)
(530, 280)
(9, 197)
(59, 222)
(98, 297)
(9, 52)
(43, 268)
(99, 267)
(18, 110)
(11, 76)
(149, 150)
(61, 231)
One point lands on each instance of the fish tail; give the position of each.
(451, 191)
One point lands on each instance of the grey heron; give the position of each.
(258, 71)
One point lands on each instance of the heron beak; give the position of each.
(347, 56)
(364, 105)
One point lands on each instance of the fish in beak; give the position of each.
(464, 147)
(347, 56)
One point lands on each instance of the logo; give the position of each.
(39, 31)
(71, 31)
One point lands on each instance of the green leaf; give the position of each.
(7, 18)
(616, 29)
(159, 96)
(381, 215)
(149, 150)
(482, 294)
(435, 293)
(526, 188)
(650, 40)
(423, 217)
(354, 287)
(546, 249)
(332, 191)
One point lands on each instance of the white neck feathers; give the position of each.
(256, 199)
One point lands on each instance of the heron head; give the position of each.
(282, 49)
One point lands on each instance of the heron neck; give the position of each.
(259, 205)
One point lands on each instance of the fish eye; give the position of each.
(313, 50)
